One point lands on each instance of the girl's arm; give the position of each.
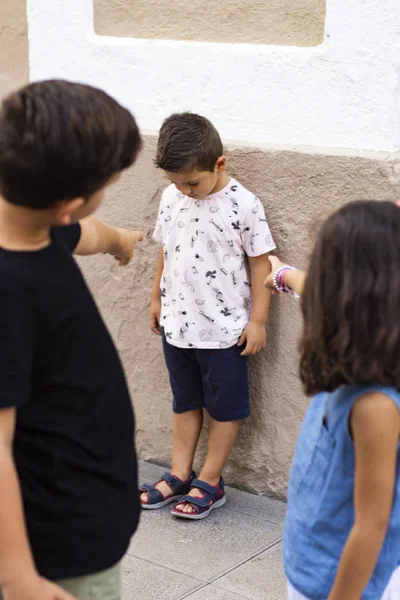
(375, 424)
(293, 279)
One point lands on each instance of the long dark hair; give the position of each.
(351, 300)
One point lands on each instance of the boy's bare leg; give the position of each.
(186, 429)
(221, 439)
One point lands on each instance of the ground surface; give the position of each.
(235, 554)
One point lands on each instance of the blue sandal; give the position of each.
(157, 500)
(212, 497)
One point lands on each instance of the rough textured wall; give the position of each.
(280, 22)
(296, 189)
(14, 59)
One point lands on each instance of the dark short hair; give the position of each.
(351, 300)
(61, 140)
(188, 141)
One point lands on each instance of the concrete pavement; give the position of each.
(234, 554)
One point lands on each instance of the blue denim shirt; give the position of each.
(320, 498)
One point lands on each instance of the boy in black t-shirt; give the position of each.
(69, 500)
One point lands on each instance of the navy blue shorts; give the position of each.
(216, 380)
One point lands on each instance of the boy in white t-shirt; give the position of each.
(208, 303)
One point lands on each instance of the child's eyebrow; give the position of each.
(191, 182)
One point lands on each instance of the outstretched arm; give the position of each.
(97, 238)
(293, 279)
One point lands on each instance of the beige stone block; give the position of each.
(282, 22)
(14, 46)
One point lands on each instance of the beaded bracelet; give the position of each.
(278, 280)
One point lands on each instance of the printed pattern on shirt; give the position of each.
(205, 287)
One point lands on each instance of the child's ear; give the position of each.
(220, 165)
(66, 210)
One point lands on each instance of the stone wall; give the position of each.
(14, 59)
(297, 189)
(277, 101)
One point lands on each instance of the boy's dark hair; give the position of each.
(188, 141)
(61, 140)
(351, 299)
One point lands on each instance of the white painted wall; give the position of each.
(344, 93)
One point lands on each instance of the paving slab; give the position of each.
(142, 579)
(261, 578)
(234, 554)
(202, 549)
(149, 473)
(257, 506)
(212, 592)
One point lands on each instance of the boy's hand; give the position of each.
(255, 338)
(123, 250)
(35, 588)
(155, 316)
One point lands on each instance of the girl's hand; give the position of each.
(275, 265)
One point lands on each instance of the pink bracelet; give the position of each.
(278, 280)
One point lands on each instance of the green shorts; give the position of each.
(105, 585)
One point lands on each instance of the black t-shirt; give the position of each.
(74, 442)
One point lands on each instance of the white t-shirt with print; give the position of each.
(205, 287)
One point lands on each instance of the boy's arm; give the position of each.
(97, 237)
(255, 335)
(19, 579)
(155, 302)
(375, 425)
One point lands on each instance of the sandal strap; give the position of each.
(176, 485)
(174, 482)
(196, 502)
(154, 496)
(146, 487)
(207, 488)
(211, 494)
